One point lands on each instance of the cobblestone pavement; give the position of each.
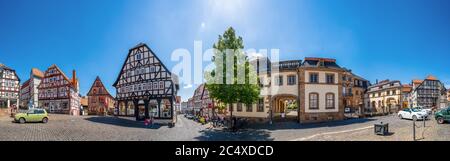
(95, 128)
(363, 130)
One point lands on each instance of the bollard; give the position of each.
(414, 130)
(424, 122)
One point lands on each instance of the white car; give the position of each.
(426, 110)
(412, 113)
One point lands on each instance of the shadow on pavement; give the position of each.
(117, 121)
(241, 135)
(283, 125)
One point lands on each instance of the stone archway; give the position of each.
(285, 107)
(392, 105)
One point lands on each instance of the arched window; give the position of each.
(313, 100)
(329, 99)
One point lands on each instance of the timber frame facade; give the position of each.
(9, 90)
(145, 88)
(58, 93)
(100, 102)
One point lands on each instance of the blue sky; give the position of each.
(377, 39)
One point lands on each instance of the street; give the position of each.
(98, 128)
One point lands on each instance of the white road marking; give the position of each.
(331, 133)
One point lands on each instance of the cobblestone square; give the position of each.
(98, 128)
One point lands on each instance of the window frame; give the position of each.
(316, 101)
(333, 99)
(311, 74)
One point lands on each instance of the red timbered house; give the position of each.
(100, 102)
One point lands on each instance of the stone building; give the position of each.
(384, 97)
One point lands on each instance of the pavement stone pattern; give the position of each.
(110, 128)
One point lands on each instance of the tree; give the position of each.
(233, 80)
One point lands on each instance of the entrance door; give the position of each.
(141, 112)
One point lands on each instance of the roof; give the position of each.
(64, 76)
(101, 85)
(417, 81)
(84, 101)
(431, 77)
(157, 58)
(406, 88)
(25, 84)
(3, 66)
(36, 72)
(384, 82)
(314, 62)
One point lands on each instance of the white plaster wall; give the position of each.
(322, 89)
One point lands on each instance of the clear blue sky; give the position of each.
(377, 39)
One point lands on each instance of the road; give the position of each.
(96, 128)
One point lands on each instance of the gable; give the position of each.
(98, 84)
(145, 53)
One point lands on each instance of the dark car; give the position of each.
(442, 115)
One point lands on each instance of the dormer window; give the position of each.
(321, 63)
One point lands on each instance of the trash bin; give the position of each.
(381, 129)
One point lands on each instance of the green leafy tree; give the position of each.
(233, 79)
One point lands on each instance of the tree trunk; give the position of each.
(231, 115)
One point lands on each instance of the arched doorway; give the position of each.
(285, 107)
(392, 105)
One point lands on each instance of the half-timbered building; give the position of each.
(145, 88)
(100, 102)
(58, 93)
(29, 89)
(9, 90)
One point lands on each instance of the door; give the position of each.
(40, 114)
(31, 116)
(447, 114)
(407, 113)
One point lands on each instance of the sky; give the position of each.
(377, 39)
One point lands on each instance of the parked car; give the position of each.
(32, 115)
(426, 110)
(412, 113)
(442, 115)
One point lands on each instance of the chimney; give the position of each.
(376, 81)
(74, 78)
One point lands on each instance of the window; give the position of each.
(138, 56)
(313, 101)
(313, 78)
(249, 108)
(155, 85)
(260, 105)
(161, 85)
(239, 107)
(329, 101)
(330, 78)
(152, 69)
(291, 80)
(279, 81)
